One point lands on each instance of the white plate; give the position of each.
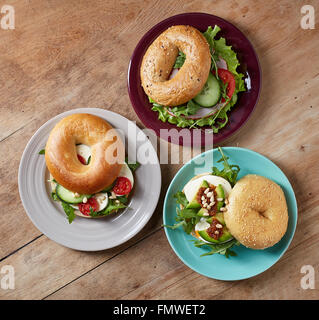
(89, 234)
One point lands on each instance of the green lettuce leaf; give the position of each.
(210, 35)
(179, 60)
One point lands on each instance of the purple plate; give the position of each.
(249, 65)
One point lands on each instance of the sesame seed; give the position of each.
(209, 194)
(218, 225)
(220, 199)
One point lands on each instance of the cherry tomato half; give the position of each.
(227, 77)
(122, 186)
(81, 159)
(85, 207)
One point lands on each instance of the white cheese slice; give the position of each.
(192, 187)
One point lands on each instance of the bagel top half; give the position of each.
(160, 58)
(107, 153)
(257, 214)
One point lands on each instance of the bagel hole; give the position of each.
(173, 73)
(83, 152)
(262, 213)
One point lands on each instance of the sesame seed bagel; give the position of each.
(257, 214)
(107, 153)
(160, 58)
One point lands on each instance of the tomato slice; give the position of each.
(81, 159)
(85, 207)
(122, 186)
(227, 77)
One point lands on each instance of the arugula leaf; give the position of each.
(132, 166)
(122, 199)
(179, 60)
(163, 115)
(181, 198)
(54, 196)
(229, 172)
(186, 217)
(42, 151)
(187, 213)
(189, 109)
(111, 207)
(176, 225)
(221, 248)
(69, 211)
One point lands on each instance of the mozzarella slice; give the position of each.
(192, 187)
(84, 151)
(202, 225)
(102, 199)
(126, 172)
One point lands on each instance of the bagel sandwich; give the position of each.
(221, 212)
(89, 175)
(191, 77)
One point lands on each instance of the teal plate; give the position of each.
(248, 262)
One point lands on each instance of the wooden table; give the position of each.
(70, 54)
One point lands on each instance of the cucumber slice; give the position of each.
(68, 196)
(210, 94)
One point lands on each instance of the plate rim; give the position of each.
(203, 140)
(20, 178)
(295, 221)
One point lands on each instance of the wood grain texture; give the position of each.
(71, 54)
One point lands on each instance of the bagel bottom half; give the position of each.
(257, 214)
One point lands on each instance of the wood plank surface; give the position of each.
(70, 54)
